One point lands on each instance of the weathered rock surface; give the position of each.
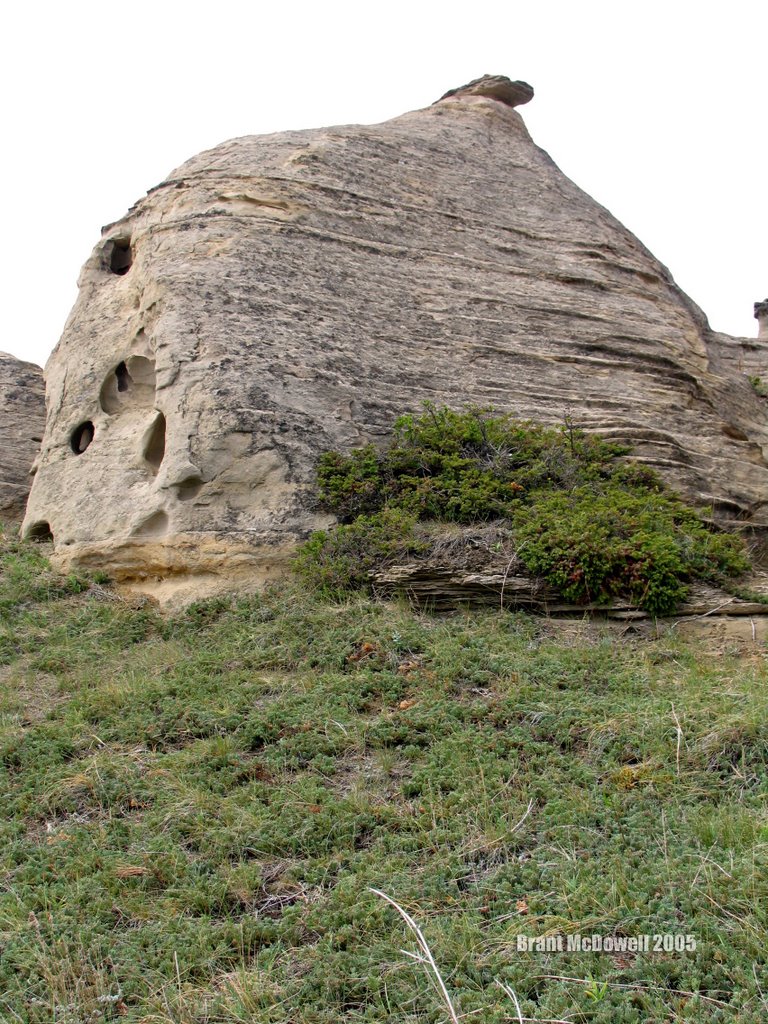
(22, 421)
(285, 294)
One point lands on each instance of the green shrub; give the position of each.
(338, 561)
(590, 525)
(351, 485)
(460, 467)
(594, 544)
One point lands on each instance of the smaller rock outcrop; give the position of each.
(761, 315)
(22, 422)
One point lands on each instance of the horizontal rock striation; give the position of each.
(448, 588)
(285, 294)
(22, 421)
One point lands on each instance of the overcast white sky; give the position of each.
(656, 109)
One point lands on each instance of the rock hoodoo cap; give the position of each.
(496, 87)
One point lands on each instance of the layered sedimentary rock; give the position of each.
(285, 294)
(446, 588)
(22, 421)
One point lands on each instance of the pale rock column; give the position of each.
(761, 315)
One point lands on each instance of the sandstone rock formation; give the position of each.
(284, 294)
(22, 421)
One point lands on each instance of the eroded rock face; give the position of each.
(285, 294)
(22, 421)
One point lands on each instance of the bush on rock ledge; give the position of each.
(583, 519)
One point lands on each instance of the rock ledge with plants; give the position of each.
(484, 491)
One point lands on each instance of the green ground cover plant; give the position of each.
(196, 809)
(586, 522)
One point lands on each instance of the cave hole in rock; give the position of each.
(131, 384)
(154, 443)
(155, 526)
(189, 488)
(81, 437)
(40, 532)
(120, 256)
(122, 377)
(734, 432)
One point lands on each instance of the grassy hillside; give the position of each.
(195, 812)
